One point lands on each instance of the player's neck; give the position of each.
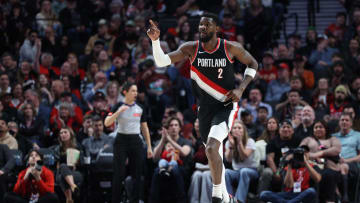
(210, 45)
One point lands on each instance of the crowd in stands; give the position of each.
(64, 62)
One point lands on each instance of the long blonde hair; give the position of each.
(73, 143)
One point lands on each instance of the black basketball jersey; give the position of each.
(212, 73)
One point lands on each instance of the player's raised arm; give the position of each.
(237, 50)
(162, 59)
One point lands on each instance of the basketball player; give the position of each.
(213, 84)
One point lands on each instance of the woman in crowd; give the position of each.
(130, 120)
(240, 152)
(30, 127)
(325, 150)
(271, 130)
(67, 175)
(17, 96)
(113, 95)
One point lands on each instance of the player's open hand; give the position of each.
(234, 95)
(153, 32)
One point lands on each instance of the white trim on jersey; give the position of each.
(207, 87)
(233, 115)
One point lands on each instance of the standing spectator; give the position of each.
(279, 86)
(240, 152)
(5, 136)
(324, 146)
(350, 145)
(258, 25)
(29, 48)
(67, 176)
(130, 120)
(6, 165)
(305, 129)
(33, 183)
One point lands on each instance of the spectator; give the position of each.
(87, 129)
(229, 31)
(26, 76)
(286, 110)
(5, 136)
(17, 96)
(65, 117)
(352, 28)
(262, 117)
(338, 28)
(310, 42)
(42, 110)
(119, 70)
(269, 71)
(350, 109)
(297, 83)
(99, 105)
(279, 86)
(71, 16)
(338, 75)
(337, 106)
(87, 59)
(6, 165)
(57, 89)
(104, 61)
(305, 74)
(98, 141)
(4, 84)
(323, 146)
(240, 152)
(46, 17)
(274, 151)
(233, 7)
(298, 182)
(46, 66)
(200, 188)
(322, 97)
(255, 101)
(352, 56)
(305, 129)
(99, 84)
(294, 42)
(33, 183)
(178, 174)
(271, 131)
(350, 140)
(24, 145)
(29, 48)
(113, 95)
(30, 126)
(102, 34)
(321, 57)
(68, 177)
(142, 50)
(9, 65)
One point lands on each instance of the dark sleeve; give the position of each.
(270, 147)
(115, 107)
(10, 163)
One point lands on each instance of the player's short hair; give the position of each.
(212, 16)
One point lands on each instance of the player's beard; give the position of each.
(207, 37)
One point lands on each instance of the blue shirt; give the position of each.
(275, 90)
(350, 144)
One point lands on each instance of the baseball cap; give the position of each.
(285, 122)
(321, 36)
(283, 66)
(99, 41)
(102, 22)
(245, 112)
(268, 53)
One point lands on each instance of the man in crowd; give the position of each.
(305, 129)
(6, 165)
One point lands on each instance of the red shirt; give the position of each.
(27, 187)
(300, 175)
(168, 158)
(229, 34)
(268, 75)
(45, 71)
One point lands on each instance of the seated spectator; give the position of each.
(300, 70)
(299, 181)
(253, 131)
(239, 150)
(142, 50)
(279, 86)
(99, 85)
(70, 98)
(322, 97)
(42, 109)
(87, 129)
(35, 183)
(200, 188)
(229, 30)
(338, 74)
(255, 101)
(338, 27)
(262, 117)
(269, 71)
(10, 65)
(326, 149)
(297, 83)
(350, 145)
(178, 174)
(169, 159)
(98, 141)
(46, 17)
(45, 66)
(113, 95)
(4, 83)
(57, 89)
(102, 34)
(17, 96)
(67, 175)
(6, 165)
(5, 136)
(43, 87)
(350, 109)
(286, 109)
(30, 126)
(66, 117)
(274, 151)
(104, 61)
(271, 130)
(305, 129)
(335, 108)
(99, 105)
(24, 145)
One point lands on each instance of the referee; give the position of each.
(130, 118)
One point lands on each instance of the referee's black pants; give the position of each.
(131, 147)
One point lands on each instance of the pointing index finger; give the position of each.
(152, 23)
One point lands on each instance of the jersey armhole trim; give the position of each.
(226, 53)
(196, 51)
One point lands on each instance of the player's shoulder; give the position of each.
(189, 44)
(233, 44)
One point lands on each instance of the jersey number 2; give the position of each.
(220, 70)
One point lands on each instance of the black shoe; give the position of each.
(76, 192)
(216, 200)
